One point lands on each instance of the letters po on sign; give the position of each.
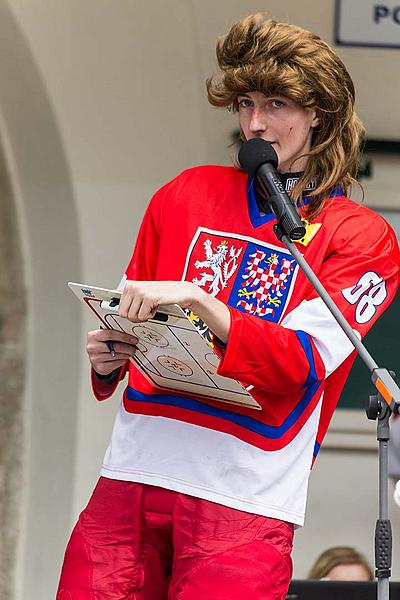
(382, 11)
(368, 23)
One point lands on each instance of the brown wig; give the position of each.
(277, 58)
(339, 555)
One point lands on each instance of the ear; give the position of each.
(314, 120)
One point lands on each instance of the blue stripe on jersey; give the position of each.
(337, 190)
(305, 342)
(316, 448)
(256, 218)
(267, 431)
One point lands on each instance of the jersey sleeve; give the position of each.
(142, 266)
(361, 274)
(104, 387)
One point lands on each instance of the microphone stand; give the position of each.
(380, 407)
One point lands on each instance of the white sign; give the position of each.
(368, 23)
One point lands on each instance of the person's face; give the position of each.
(280, 121)
(354, 572)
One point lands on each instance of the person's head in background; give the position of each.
(341, 563)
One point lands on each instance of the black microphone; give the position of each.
(259, 159)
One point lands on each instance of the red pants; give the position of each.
(139, 542)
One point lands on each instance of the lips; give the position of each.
(268, 141)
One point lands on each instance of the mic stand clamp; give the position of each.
(280, 231)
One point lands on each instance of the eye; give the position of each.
(277, 103)
(245, 102)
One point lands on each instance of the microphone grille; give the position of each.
(256, 152)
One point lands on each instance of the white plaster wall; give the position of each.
(124, 80)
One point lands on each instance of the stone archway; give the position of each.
(12, 368)
(39, 365)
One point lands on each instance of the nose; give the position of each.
(258, 122)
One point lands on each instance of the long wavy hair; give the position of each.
(260, 54)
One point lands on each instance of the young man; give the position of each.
(198, 500)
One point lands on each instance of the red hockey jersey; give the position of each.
(205, 227)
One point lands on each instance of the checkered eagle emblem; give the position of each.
(249, 275)
(264, 283)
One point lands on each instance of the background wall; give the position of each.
(101, 103)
